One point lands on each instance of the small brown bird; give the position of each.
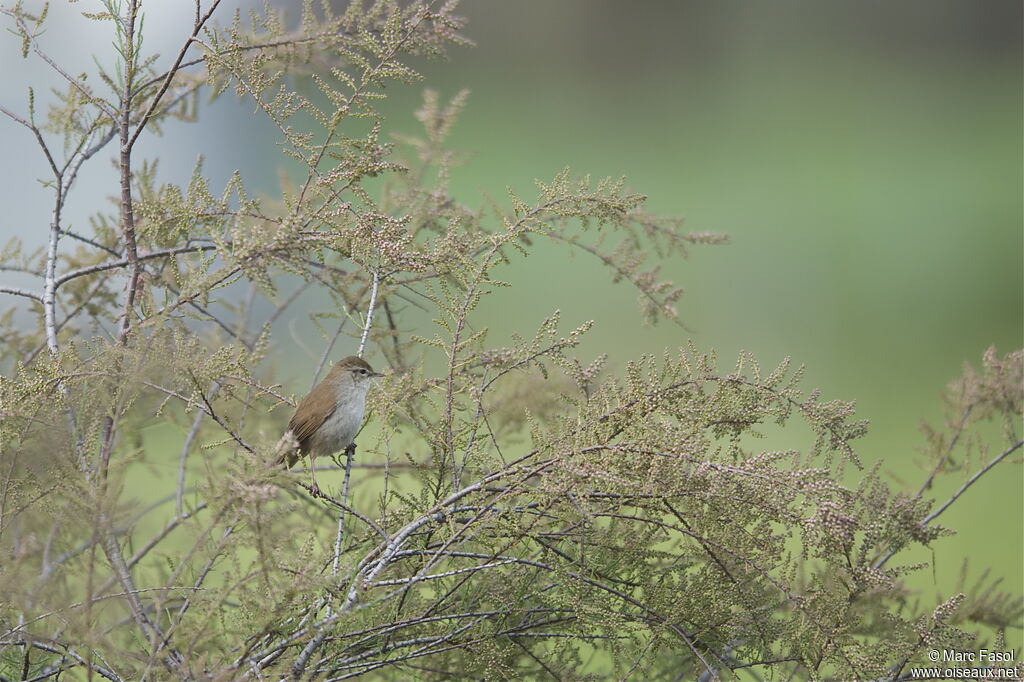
(328, 419)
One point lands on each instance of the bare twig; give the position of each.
(327, 350)
(66, 652)
(15, 291)
(102, 104)
(345, 508)
(186, 447)
(955, 496)
(169, 76)
(958, 430)
(369, 313)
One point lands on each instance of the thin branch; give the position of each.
(446, 574)
(122, 262)
(288, 42)
(346, 508)
(205, 407)
(340, 535)
(82, 305)
(39, 138)
(171, 72)
(661, 306)
(203, 573)
(148, 628)
(164, 532)
(327, 351)
(65, 652)
(15, 291)
(7, 267)
(186, 447)
(369, 313)
(103, 105)
(958, 431)
(91, 242)
(955, 496)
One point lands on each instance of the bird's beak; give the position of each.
(376, 375)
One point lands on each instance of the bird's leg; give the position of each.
(350, 450)
(312, 475)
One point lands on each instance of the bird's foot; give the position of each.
(350, 450)
(312, 488)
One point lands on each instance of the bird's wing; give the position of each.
(306, 420)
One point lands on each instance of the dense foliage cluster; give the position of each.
(519, 512)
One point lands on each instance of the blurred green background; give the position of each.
(865, 157)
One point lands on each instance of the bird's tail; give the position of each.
(287, 450)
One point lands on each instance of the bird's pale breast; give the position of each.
(339, 429)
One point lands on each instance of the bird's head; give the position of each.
(353, 371)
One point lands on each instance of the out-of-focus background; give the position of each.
(865, 156)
